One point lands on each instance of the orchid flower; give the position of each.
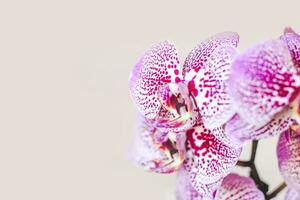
(263, 84)
(187, 106)
(168, 96)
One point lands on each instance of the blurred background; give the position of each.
(66, 119)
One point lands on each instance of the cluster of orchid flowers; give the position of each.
(196, 119)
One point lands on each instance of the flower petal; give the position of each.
(236, 187)
(185, 190)
(227, 138)
(156, 151)
(242, 131)
(292, 194)
(201, 54)
(262, 82)
(157, 67)
(292, 39)
(288, 154)
(207, 158)
(206, 70)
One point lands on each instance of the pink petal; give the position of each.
(227, 138)
(235, 187)
(292, 194)
(263, 82)
(242, 131)
(207, 69)
(292, 39)
(207, 158)
(185, 190)
(281, 122)
(157, 67)
(156, 151)
(239, 129)
(288, 154)
(201, 54)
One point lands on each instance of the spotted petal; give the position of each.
(185, 190)
(292, 194)
(235, 187)
(242, 131)
(263, 81)
(288, 154)
(156, 68)
(156, 151)
(207, 158)
(228, 138)
(206, 70)
(292, 39)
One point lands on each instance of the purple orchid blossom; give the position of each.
(263, 83)
(170, 100)
(196, 119)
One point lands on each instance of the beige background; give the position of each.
(66, 120)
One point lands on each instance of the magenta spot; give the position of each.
(177, 79)
(176, 71)
(192, 88)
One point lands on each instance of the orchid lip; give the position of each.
(175, 98)
(176, 101)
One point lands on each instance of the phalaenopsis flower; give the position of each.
(196, 119)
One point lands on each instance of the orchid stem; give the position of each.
(249, 163)
(261, 185)
(276, 191)
(243, 163)
(253, 151)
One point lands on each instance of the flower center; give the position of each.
(177, 107)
